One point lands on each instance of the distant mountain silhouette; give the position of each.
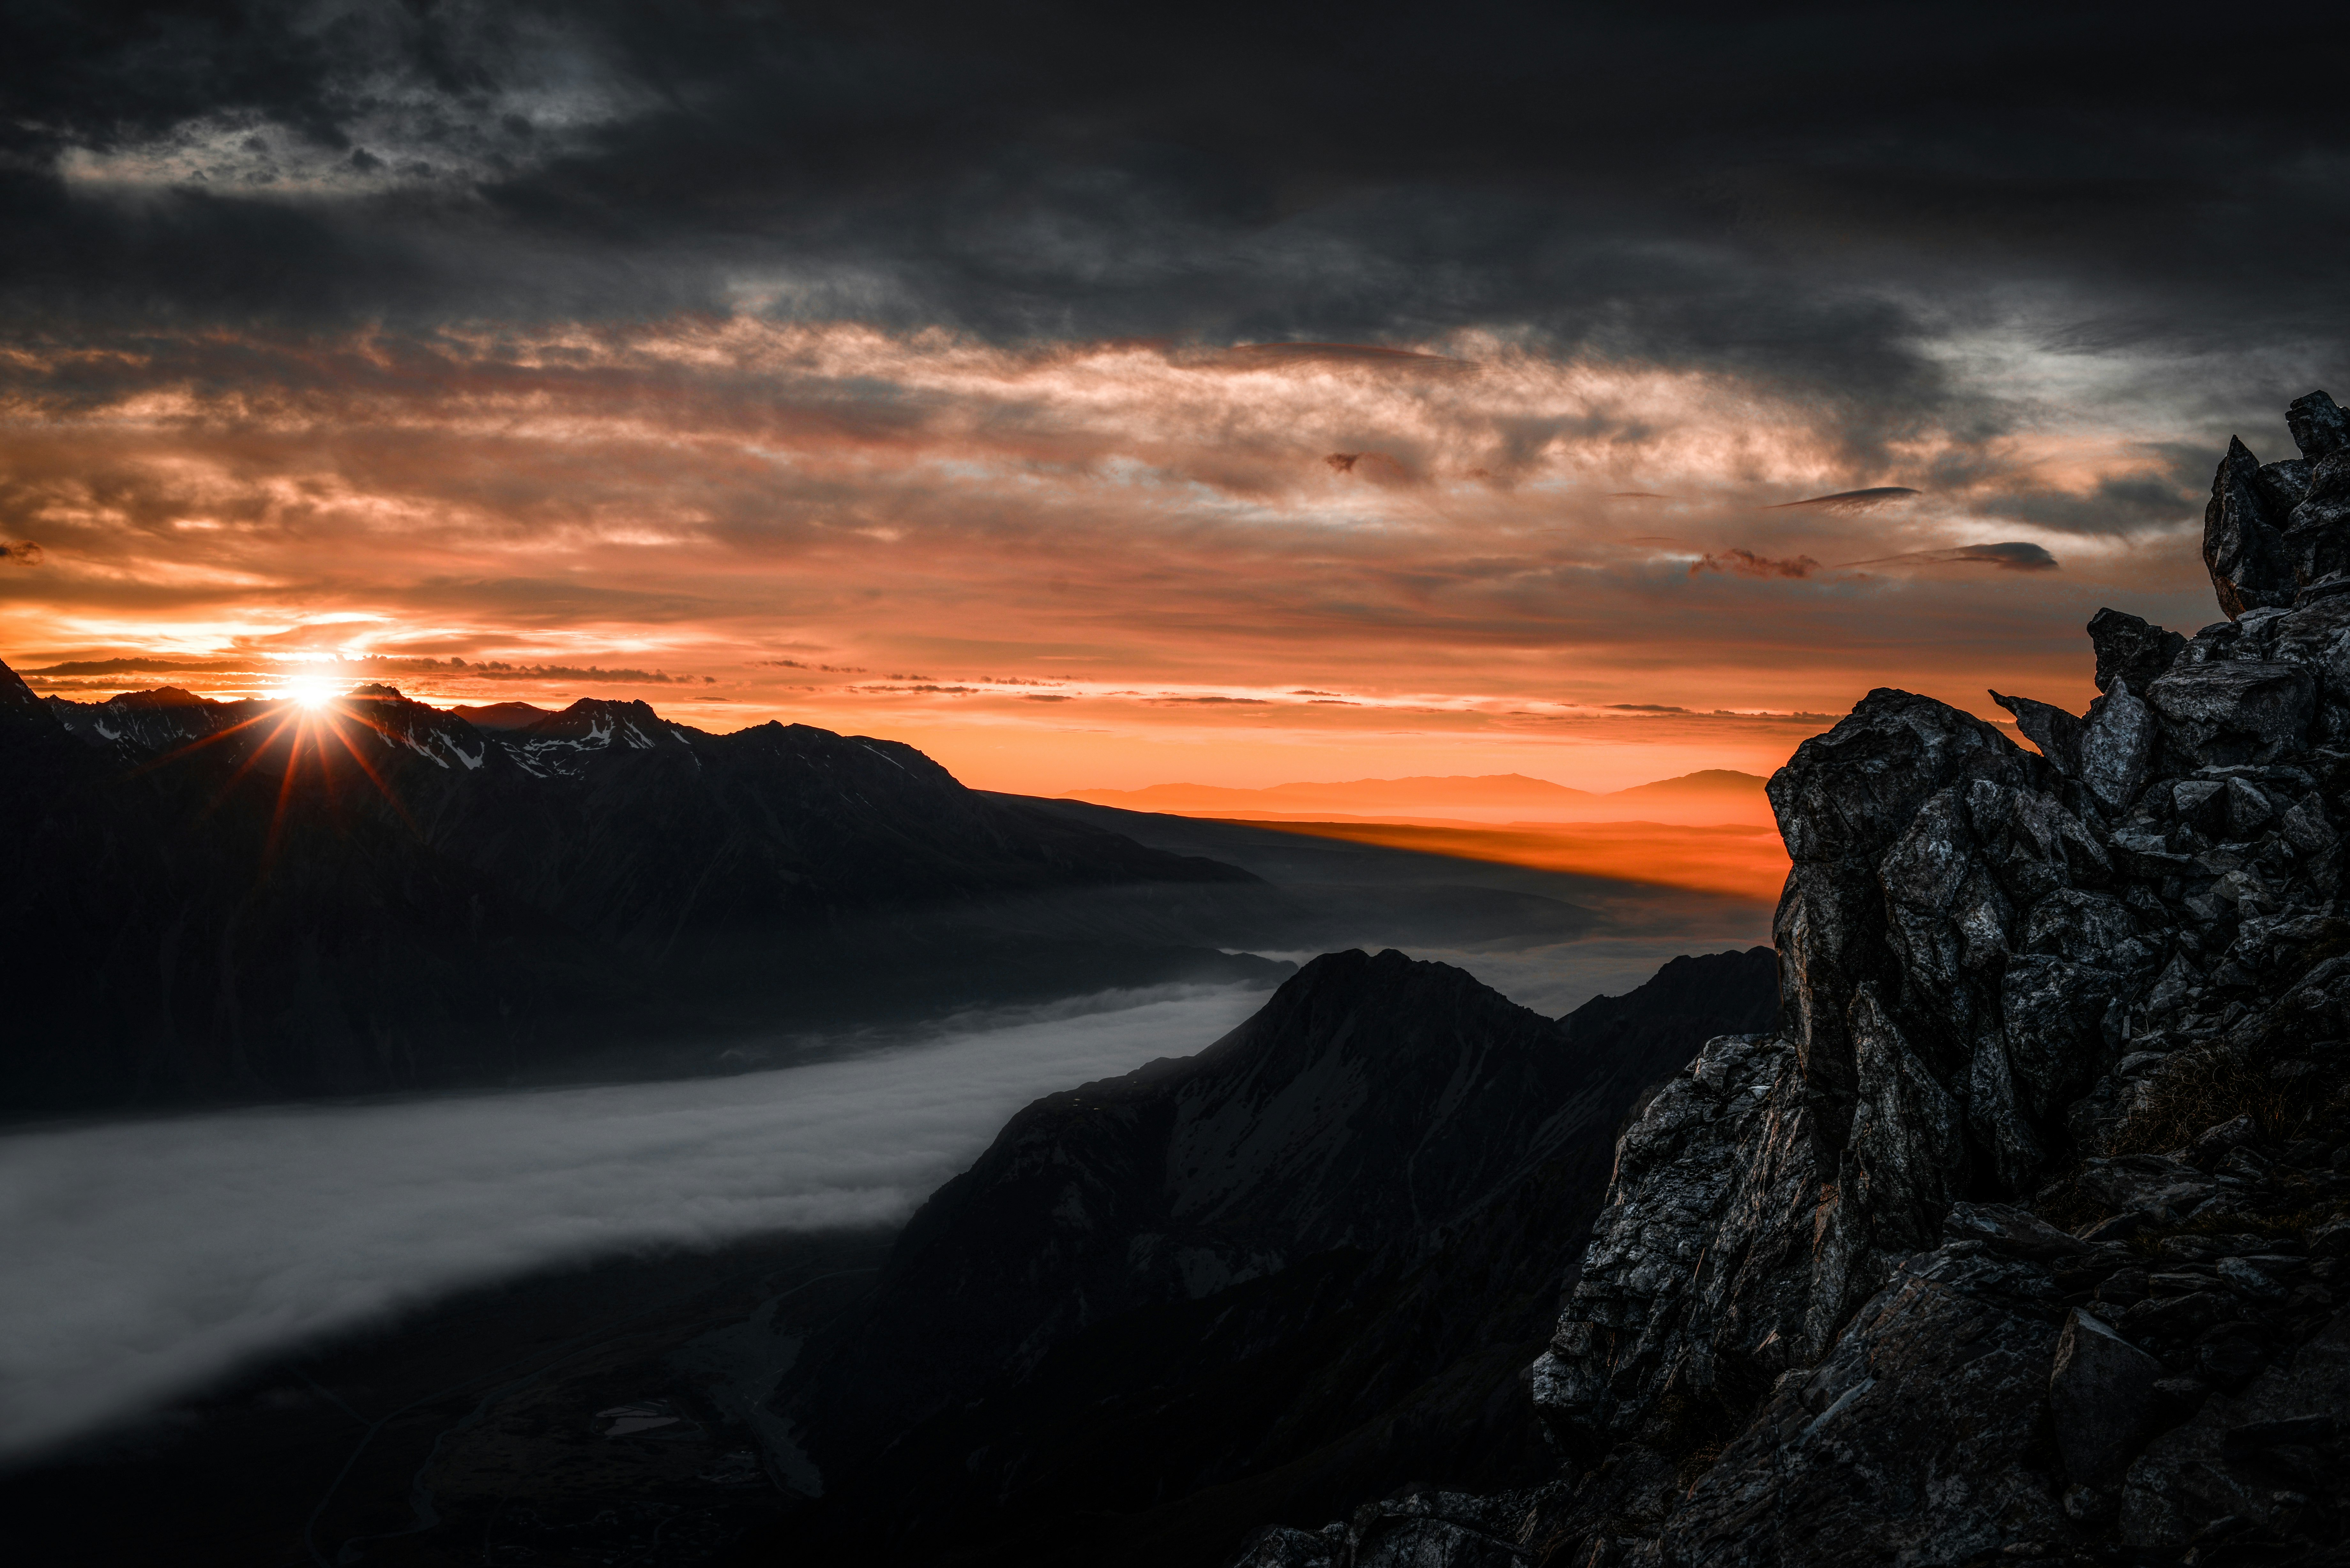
(501, 715)
(207, 900)
(1304, 1264)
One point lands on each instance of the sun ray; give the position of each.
(367, 768)
(199, 743)
(252, 760)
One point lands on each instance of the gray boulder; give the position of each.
(2132, 648)
(1279, 1546)
(2193, 1475)
(2282, 486)
(2317, 425)
(1700, 1266)
(2234, 711)
(2056, 733)
(2100, 1392)
(2242, 549)
(2152, 1183)
(2055, 1012)
(2318, 530)
(1438, 1529)
(2316, 633)
(2007, 1228)
(2117, 746)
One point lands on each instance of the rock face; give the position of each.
(1907, 1443)
(2022, 1238)
(2243, 549)
(227, 900)
(1301, 1265)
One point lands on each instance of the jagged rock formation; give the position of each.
(2273, 531)
(1303, 1263)
(2021, 1238)
(212, 900)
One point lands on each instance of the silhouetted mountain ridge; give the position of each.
(243, 898)
(1255, 1278)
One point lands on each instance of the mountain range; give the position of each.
(256, 899)
(216, 900)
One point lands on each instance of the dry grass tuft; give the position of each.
(2197, 1088)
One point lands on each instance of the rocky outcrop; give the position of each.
(2243, 549)
(2275, 531)
(2130, 649)
(2022, 1238)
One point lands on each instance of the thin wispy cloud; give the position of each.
(1852, 500)
(2016, 556)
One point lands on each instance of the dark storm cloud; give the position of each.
(2123, 505)
(1800, 195)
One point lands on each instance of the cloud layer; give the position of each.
(1108, 381)
(990, 549)
(146, 1258)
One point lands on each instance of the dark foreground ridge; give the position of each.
(1308, 1262)
(207, 901)
(2022, 1239)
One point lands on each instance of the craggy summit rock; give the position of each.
(2021, 1238)
(2275, 531)
(2318, 427)
(2131, 648)
(2243, 548)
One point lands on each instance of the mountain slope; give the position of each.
(241, 899)
(1272, 1271)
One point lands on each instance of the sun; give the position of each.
(310, 690)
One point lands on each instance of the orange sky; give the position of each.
(1742, 859)
(1102, 564)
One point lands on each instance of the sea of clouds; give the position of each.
(146, 1258)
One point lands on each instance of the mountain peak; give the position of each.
(502, 715)
(20, 710)
(600, 720)
(159, 697)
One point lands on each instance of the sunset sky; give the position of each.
(1097, 403)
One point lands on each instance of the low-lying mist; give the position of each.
(148, 1257)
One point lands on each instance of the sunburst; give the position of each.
(310, 690)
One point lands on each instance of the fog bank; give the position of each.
(147, 1257)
